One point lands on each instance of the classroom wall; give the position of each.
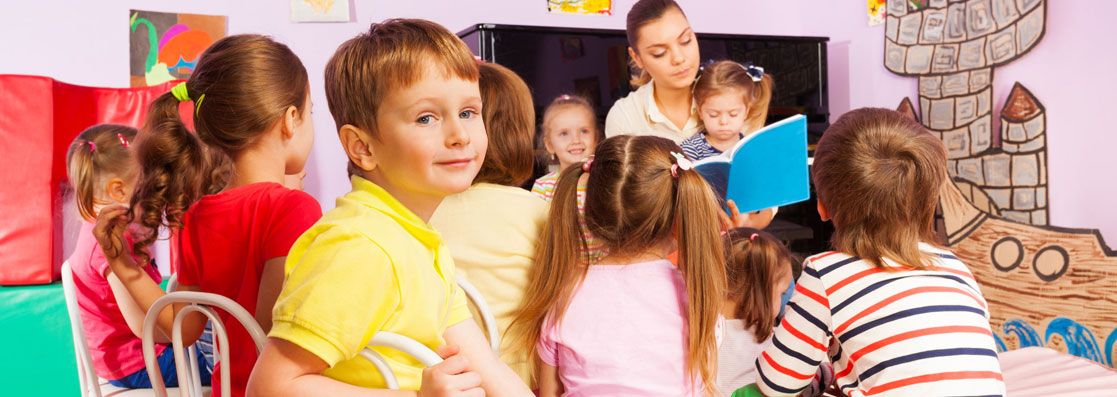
(1070, 71)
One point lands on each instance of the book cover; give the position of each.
(766, 169)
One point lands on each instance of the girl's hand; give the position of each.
(756, 220)
(109, 230)
(451, 377)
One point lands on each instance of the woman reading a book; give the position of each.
(663, 45)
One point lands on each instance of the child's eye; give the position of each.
(659, 54)
(687, 41)
(734, 114)
(427, 119)
(467, 114)
(563, 133)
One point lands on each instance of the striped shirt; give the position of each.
(697, 147)
(545, 187)
(898, 332)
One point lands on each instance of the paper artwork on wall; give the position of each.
(320, 11)
(166, 46)
(584, 7)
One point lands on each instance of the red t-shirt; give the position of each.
(225, 240)
(116, 352)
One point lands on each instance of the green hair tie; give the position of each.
(180, 93)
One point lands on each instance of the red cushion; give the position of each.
(39, 117)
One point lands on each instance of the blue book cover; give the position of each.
(766, 169)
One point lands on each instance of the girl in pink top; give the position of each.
(632, 323)
(102, 171)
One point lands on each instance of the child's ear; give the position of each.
(357, 145)
(822, 212)
(547, 144)
(290, 118)
(116, 190)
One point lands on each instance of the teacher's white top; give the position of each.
(637, 114)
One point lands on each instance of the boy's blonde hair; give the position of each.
(392, 55)
(878, 174)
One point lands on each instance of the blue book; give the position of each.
(766, 169)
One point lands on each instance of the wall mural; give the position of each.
(1046, 286)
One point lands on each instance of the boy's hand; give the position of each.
(451, 377)
(109, 230)
(756, 220)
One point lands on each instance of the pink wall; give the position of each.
(86, 43)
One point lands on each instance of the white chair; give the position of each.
(204, 303)
(398, 342)
(487, 319)
(91, 385)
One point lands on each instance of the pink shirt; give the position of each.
(115, 350)
(624, 333)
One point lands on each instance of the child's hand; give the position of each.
(109, 230)
(756, 220)
(451, 377)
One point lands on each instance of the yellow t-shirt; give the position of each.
(368, 265)
(491, 231)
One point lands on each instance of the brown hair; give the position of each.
(722, 76)
(643, 13)
(98, 152)
(510, 122)
(392, 55)
(632, 204)
(878, 174)
(753, 265)
(241, 87)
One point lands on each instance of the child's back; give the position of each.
(225, 242)
(911, 332)
(617, 309)
(906, 318)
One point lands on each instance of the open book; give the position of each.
(766, 169)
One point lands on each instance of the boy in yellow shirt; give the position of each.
(408, 107)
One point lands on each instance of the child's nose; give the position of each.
(456, 133)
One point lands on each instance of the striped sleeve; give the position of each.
(801, 341)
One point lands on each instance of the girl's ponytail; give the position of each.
(560, 263)
(175, 171)
(761, 99)
(702, 263)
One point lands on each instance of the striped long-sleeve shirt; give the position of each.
(897, 332)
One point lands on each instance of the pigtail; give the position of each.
(754, 261)
(79, 166)
(559, 265)
(702, 263)
(761, 99)
(174, 173)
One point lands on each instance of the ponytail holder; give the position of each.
(586, 165)
(755, 72)
(92, 146)
(753, 237)
(180, 92)
(681, 162)
(123, 140)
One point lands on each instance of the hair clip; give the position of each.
(755, 72)
(180, 92)
(123, 140)
(588, 164)
(565, 97)
(92, 146)
(753, 237)
(681, 162)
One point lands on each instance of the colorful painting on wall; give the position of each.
(876, 10)
(166, 46)
(320, 11)
(1046, 285)
(584, 7)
